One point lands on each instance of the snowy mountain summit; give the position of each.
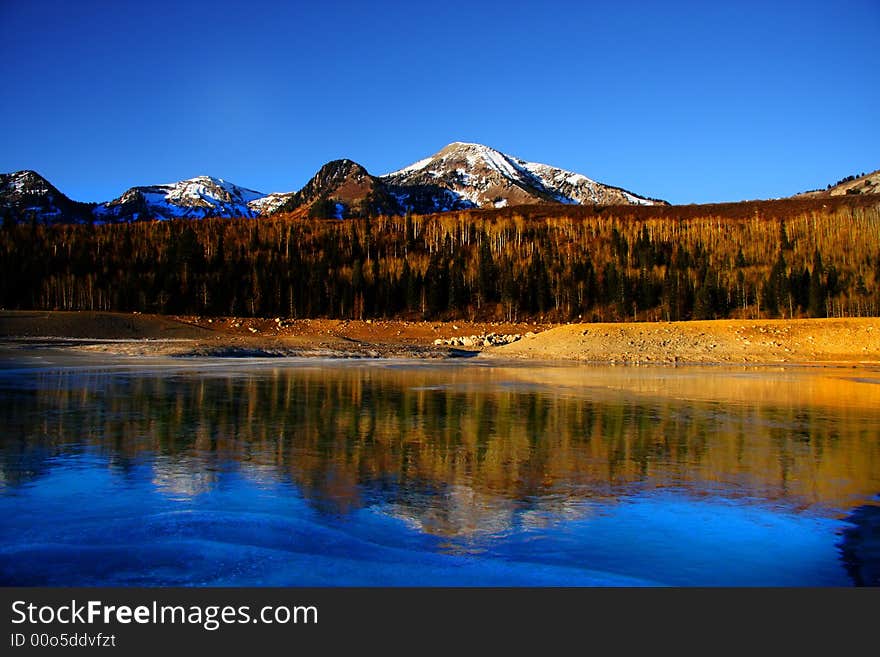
(480, 176)
(195, 198)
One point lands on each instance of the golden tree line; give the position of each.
(816, 257)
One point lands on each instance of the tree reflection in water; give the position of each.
(459, 450)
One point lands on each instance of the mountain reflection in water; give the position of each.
(470, 455)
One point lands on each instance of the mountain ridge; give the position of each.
(460, 176)
(26, 196)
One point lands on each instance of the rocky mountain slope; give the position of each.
(340, 189)
(867, 183)
(26, 196)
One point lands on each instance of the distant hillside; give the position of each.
(866, 183)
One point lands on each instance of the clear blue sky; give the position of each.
(687, 101)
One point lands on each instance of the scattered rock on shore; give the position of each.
(477, 341)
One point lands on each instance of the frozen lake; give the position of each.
(316, 472)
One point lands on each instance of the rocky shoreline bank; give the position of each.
(853, 341)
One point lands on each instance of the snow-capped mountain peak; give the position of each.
(481, 176)
(194, 198)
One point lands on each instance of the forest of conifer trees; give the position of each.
(764, 259)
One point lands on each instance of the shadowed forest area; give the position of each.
(788, 258)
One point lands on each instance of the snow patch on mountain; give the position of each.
(268, 204)
(211, 191)
(415, 166)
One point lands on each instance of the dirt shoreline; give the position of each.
(854, 341)
(851, 341)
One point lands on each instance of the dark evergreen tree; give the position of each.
(619, 247)
(776, 288)
(323, 208)
(784, 243)
(708, 300)
(817, 293)
(487, 274)
(799, 285)
(458, 293)
(437, 285)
